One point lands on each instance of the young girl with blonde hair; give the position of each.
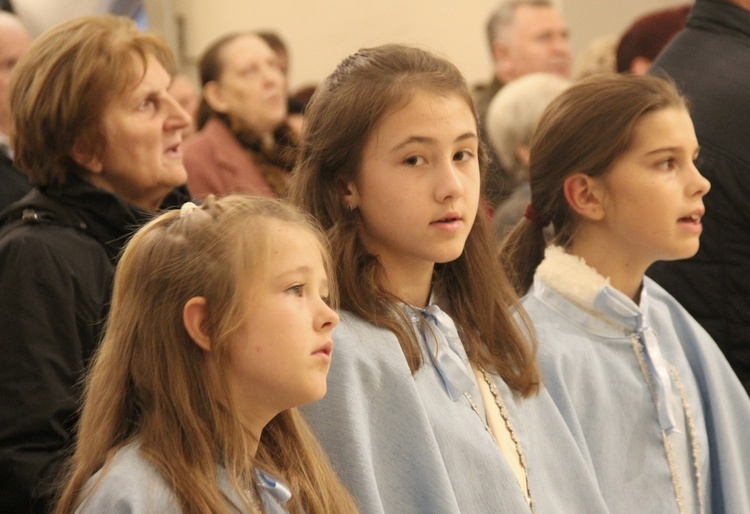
(220, 326)
(662, 414)
(434, 403)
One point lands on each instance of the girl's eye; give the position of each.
(414, 160)
(667, 164)
(463, 155)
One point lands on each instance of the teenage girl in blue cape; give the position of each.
(434, 403)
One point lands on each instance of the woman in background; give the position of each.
(244, 144)
(95, 128)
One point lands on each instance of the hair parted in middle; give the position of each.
(342, 115)
(149, 378)
(585, 129)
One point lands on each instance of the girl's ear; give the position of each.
(214, 97)
(585, 196)
(349, 194)
(194, 318)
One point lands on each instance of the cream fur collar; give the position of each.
(570, 277)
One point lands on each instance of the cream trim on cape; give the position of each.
(570, 276)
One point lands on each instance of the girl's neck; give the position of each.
(254, 417)
(416, 297)
(412, 284)
(609, 261)
(248, 410)
(253, 434)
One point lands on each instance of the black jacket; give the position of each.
(710, 63)
(58, 248)
(13, 184)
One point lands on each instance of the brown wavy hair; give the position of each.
(585, 129)
(62, 85)
(148, 382)
(344, 111)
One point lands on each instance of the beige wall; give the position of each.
(320, 33)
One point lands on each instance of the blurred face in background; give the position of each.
(536, 41)
(14, 40)
(251, 88)
(183, 90)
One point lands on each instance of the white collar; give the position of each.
(570, 277)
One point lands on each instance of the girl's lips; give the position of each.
(448, 224)
(691, 223)
(691, 218)
(325, 351)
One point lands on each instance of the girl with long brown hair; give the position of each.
(220, 327)
(435, 403)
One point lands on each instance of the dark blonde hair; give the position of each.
(149, 382)
(63, 84)
(342, 115)
(585, 130)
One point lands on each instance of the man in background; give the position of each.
(525, 36)
(710, 62)
(14, 40)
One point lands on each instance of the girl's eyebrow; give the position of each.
(665, 149)
(299, 269)
(431, 140)
(672, 150)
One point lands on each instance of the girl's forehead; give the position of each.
(283, 246)
(418, 99)
(422, 106)
(665, 123)
(287, 237)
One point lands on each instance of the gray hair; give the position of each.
(502, 17)
(514, 113)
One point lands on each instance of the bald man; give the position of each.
(14, 40)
